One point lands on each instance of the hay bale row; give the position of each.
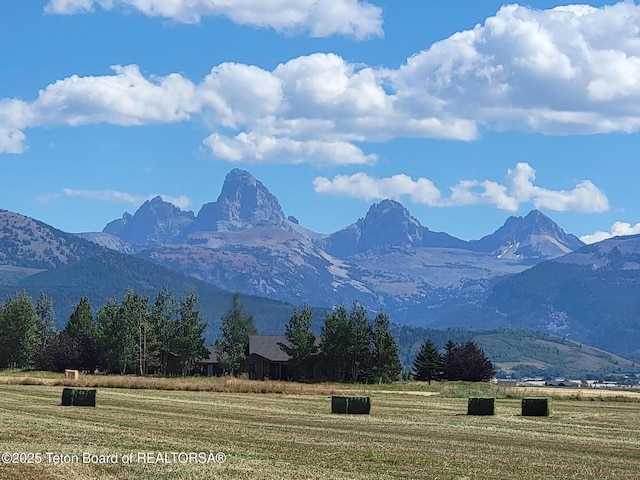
(531, 407)
(351, 405)
(78, 397)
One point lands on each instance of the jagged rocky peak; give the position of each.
(534, 236)
(155, 222)
(389, 223)
(243, 203)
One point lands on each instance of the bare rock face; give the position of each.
(243, 203)
(535, 237)
(156, 222)
(387, 225)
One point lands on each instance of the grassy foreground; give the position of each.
(278, 436)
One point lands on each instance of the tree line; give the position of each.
(350, 348)
(133, 335)
(126, 336)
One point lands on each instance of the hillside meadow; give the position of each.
(413, 432)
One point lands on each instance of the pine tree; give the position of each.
(387, 363)
(335, 344)
(361, 345)
(82, 329)
(236, 328)
(428, 363)
(302, 347)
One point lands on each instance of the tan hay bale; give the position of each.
(72, 374)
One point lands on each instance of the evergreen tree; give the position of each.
(19, 332)
(428, 363)
(387, 363)
(46, 318)
(335, 344)
(302, 347)
(469, 363)
(188, 341)
(82, 329)
(236, 328)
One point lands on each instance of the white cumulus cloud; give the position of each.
(618, 229)
(320, 18)
(518, 188)
(567, 70)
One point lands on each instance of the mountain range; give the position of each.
(529, 273)
(386, 260)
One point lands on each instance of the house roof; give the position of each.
(267, 347)
(213, 357)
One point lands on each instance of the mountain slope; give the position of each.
(28, 246)
(590, 296)
(109, 275)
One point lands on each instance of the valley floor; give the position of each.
(294, 436)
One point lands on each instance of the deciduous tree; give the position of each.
(469, 363)
(236, 328)
(302, 347)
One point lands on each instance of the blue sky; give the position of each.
(467, 112)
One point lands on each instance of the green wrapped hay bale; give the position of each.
(535, 407)
(481, 406)
(78, 397)
(351, 405)
(338, 404)
(67, 397)
(359, 405)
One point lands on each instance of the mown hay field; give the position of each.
(285, 436)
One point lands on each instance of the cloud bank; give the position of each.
(518, 188)
(568, 70)
(320, 18)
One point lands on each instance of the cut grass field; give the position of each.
(294, 436)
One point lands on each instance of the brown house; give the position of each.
(212, 364)
(266, 360)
